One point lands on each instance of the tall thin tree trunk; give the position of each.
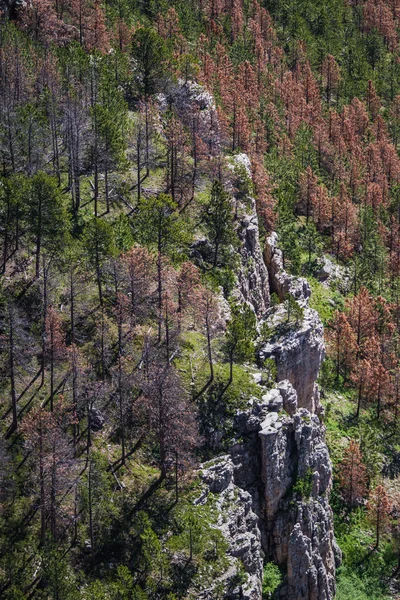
(39, 237)
(159, 286)
(72, 305)
(51, 367)
(138, 168)
(107, 192)
(53, 521)
(42, 491)
(12, 372)
(6, 235)
(44, 315)
(90, 501)
(121, 411)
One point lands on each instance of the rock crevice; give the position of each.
(283, 467)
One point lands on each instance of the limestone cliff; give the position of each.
(281, 464)
(299, 352)
(297, 478)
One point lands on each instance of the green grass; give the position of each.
(324, 300)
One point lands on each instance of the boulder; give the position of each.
(97, 420)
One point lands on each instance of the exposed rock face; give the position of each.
(253, 284)
(298, 353)
(239, 525)
(297, 476)
(281, 283)
(284, 466)
(298, 356)
(190, 98)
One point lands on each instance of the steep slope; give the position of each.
(279, 470)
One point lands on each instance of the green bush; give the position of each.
(303, 487)
(352, 587)
(271, 580)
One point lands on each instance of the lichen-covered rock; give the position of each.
(240, 526)
(279, 469)
(297, 477)
(219, 475)
(277, 465)
(289, 396)
(273, 400)
(281, 283)
(188, 97)
(252, 274)
(282, 465)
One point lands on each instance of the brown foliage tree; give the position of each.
(342, 344)
(379, 507)
(353, 476)
(168, 418)
(50, 457)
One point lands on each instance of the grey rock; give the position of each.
(258, 511)
(296, 532)
(240, 526)
(201, 251)
(327, 270)
(258, 378)
(281, 283)
(273, 400)
(298, 357)
(219, 475)
(299, 353)
(300, 530)
(289, 396)
(252, 275)
(187, 96)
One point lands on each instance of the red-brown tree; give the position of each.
(353, 476)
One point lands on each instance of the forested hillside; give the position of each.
(148, 150)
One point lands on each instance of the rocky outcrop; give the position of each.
(297, 476)
(299, 351)
(281, 283)
(298, 354)
(282, 465)
(240, 526)
(252, 274)
(189, 99)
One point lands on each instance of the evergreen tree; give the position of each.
(47, 218)
(218, 220)
(240, 336)
(149, 54)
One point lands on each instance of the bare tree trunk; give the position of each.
(159, 290)
(44, 315)
(12, 372)
(42, 492)
(6, 236)
(90, 501)
(51, 368)
(107, 193)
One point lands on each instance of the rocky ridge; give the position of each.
(252, 274)
(298, 353)
(279, 470)
(240, 527)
